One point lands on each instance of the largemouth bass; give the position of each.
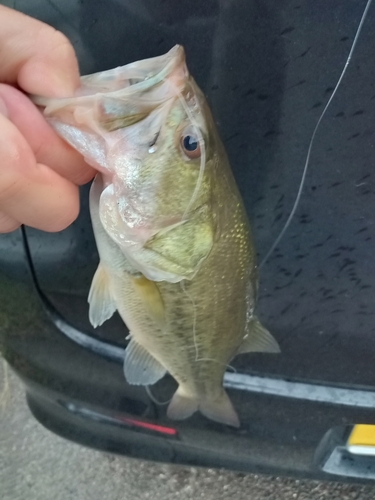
(177, 259)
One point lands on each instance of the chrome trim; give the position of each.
(240, 381)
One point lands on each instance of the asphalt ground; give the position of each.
(38, 465)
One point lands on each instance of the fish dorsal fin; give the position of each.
(149, 292)
(258, 339)
(102, 304)
(140, 367)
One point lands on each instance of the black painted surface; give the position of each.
(267, 67)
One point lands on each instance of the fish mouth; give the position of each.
(120, 97)
(150, 81)
(139, 76)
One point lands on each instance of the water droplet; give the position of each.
(152, 149)
(122, 236)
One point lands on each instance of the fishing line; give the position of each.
(197, 358)
(302, 183)
(182, 284)
(218, 362)
(5, 391)
(153, 399)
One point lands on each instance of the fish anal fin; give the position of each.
(258, 339)
(140, 367)
(102, 304)
(149, 292)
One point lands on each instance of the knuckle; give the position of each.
(12, 181)
(10, 186)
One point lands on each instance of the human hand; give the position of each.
(39, 172)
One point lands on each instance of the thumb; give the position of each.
(36, 56)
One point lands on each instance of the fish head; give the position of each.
(147, 128)
(159, 193)
(161, 170)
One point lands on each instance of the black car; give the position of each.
(268, 69)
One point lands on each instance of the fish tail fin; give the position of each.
(220, 409)
(182, 406)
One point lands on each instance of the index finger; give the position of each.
(37, 57)
(46, 145)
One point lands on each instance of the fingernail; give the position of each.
(3, 108)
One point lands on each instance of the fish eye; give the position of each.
(190, 145)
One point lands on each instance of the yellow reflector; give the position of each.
(362, 440)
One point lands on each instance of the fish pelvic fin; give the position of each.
(140, 367)
(102, 304)
(258, 339)
(220, 409)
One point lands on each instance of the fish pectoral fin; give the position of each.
(102, 304)
(140, 367)
(183, 247)
(149, 292)
(258, 339)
